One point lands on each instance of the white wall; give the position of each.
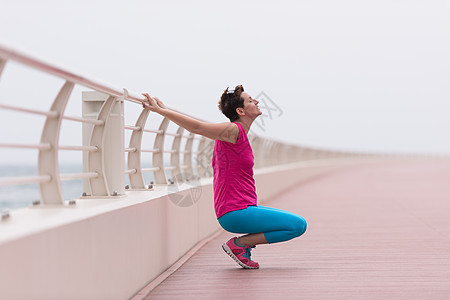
(109, 248)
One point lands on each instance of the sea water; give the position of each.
(17, 196)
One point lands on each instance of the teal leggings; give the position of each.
(276, 224)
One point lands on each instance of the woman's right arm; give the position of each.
(227, 132)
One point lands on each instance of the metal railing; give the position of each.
(103, 182)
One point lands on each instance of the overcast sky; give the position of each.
(350, 75)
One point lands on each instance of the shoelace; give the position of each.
(248, 252)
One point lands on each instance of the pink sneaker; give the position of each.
(241, 254)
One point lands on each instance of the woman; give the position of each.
(235, 199)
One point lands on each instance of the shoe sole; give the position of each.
(231, 254)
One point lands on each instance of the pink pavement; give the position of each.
(376, 231)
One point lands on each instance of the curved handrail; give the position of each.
(98, 85)
(197, 150)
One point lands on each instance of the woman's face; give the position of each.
(251, 106)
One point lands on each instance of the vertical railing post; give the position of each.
(158, 157)
(283, 153)
(269, 155)
(204, 156)
(48, 164)
(175, 156)
(109, 161)
(2, 65)
(201, 171)
(134, 157)
(187, 158)
(208, 157)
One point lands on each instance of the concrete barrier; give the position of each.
(111, 248)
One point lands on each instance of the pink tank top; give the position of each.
(234, 186)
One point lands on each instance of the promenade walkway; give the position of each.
(378, 231)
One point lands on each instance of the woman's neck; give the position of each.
(246, 124)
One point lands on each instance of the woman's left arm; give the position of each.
(227, 132)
